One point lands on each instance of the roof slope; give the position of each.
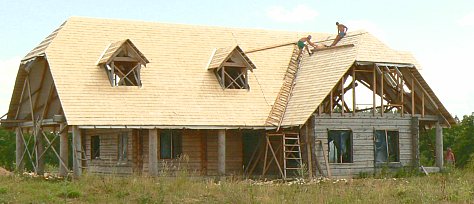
(177, 88)
(321, 72)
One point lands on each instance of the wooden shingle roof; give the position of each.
(177, 89)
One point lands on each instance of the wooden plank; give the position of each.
(353, 92)
(76, 148)
(153, 152)
(374, 90)
(221, 151)
(20, 148)
(342, 95)
(332, 47)
(63, 150)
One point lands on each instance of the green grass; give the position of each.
(455, 186)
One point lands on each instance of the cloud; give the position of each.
(298, 14)
(9, 69)
(371, 27)
(467, 20)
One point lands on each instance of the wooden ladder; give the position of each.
(292, 159)
(281, 102)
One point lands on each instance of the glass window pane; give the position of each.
(393, 146)
(381, 153)
(95, 147)
(340, 146)
(165, 144)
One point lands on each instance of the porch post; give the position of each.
(20, 148)
(439, 145)
(63, 150)
(76, 152)
(153, 152)
(39, 151)
(221, 152)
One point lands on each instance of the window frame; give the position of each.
(388, 147)
(350, 146)
(95, 145)
(176, 144)
(122, 147)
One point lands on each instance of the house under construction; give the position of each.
(137, 96)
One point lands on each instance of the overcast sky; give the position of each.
(438, 32)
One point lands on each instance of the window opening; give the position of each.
(340, 146)
(123, 146)
(386, 146)
(95, 147)
(170, 144)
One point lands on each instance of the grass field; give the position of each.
(455, 186)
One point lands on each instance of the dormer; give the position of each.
(123, 61)
(231, 66)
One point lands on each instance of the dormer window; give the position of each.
(123, 61)
(231, 65)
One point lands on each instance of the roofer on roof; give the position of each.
(302, 43)
(341, 32)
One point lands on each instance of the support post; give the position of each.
(76, 152)
(353, 92)
(153, 152)
(415, 132)
(221, 152)
(63, 150)
(374, 90)
(342, 96)
(381, 94)
(39, 151)
(20, 148)
(439, 145)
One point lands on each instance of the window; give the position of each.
(123, 146)
(123, 61)
(231, 66)
(340, 146)
(170, 144)
(386, 146)
(95, 147)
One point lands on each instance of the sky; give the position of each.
(438, 32)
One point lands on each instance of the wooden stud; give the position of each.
(412, 98)
(422, 104)
(353, 92)
(21, 98)
(342, 96)
(374, 90)
(308, 150)
(381, 93)
(439, 145)
(331, 101)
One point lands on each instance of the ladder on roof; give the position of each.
(292, 160)
(277, 113)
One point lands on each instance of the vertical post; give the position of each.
(374, 89)
(353, 92)
(76, 152)
(20, 148)
(422, 104)
(153, 152)
(308, 149)
(221, 152)
(63, 150)
(439, 145)
(381, 93)
(331, 103)
(415, 131)
(402, 91)
(412, 97)
(39, 151)
(342, 96)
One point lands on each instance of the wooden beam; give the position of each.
(331, 101)
(20, 148)
(342, 95)
(412, 98)
(308, 149)
(423, 104)
(234, 65)
(374, 90)
(153, 152)
(63, 150)
(221, 153)
(76, 152)
(439, 145)
(21, 98)
(124, 59)
(353, 92)
(381, 93)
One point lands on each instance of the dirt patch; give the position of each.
(4, 172)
